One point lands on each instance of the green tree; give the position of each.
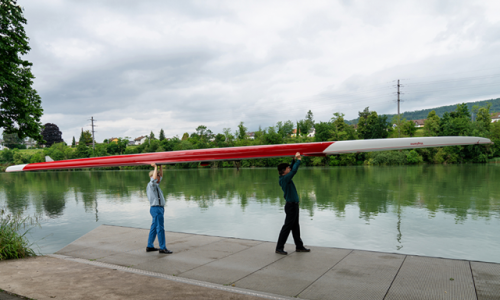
(20, 105)
(11, 140)
(272, 137)
(324, 132)
(162, 135)
(204, 136)
(483, 120)
(219, 140)
(372, 126)
(456, 123)
(122, 144)
(409, 128)
(285, 129)
(82, 150)
(185, 136)
(340, 130)
(86, 137)
(228, 135)
(305, 126)
(73, 143)
(431, 124)
(242, 131)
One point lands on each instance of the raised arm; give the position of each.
(161, 171)
(155, 171)
(294, 167)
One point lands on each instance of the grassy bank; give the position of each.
(13, 240)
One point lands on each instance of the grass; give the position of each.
(29, 151)
(13, 241)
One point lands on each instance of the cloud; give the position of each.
(139, 66)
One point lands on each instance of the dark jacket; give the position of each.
(286, 183)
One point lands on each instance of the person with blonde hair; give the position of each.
(157, 210)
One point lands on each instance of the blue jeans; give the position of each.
(157, 227)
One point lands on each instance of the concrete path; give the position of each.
(249, 268)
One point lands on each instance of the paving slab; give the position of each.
(360, 275)
(324, 273)
(193, 257)
(433, 278)
(232, 268)
(48, 278)
(295, 272)
(487, 280)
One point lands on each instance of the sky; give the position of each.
(142, 66)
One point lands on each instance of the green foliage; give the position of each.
(348, 159)
(242, 131)
(162, 135)
(85, 137)
(412, 157)
(271, 137)
(7, 155)
(422, 114)
(318, 161)
(431, 124)
(37, 157)
(13, 241)
(20, 105)
(324, 132)
(409, 128)
(373, 126)
(387, 158)
(19, 159)
(456, 123)
(285, 129)
(306, 125)
(59, 151)
(12, 140)
(82, 150)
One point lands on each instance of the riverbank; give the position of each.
(110, 262)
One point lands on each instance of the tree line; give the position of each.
(370, 126)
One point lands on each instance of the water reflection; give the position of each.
(463, 190)
(373, 208)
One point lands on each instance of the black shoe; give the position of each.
(303, 249)
(165, 251)
(151, 249)
(281, 251)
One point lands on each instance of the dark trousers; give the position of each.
(291, 224)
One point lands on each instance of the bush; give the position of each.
(13, 242)
(387, 158)
(413, 157)
(333, 160)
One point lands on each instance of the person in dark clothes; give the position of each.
(287, 172)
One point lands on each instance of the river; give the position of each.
(448, 211)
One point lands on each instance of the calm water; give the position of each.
(443, 211)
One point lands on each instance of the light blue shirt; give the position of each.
(154, 193)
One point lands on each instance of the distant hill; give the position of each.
(422, 114)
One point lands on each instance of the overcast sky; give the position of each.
(139, 66)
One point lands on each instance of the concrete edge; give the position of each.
(174, 278)
(329, 247)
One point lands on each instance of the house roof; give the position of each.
(419, 121)
(495, 115)
(140, 138)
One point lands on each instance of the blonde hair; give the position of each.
(151, 173)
